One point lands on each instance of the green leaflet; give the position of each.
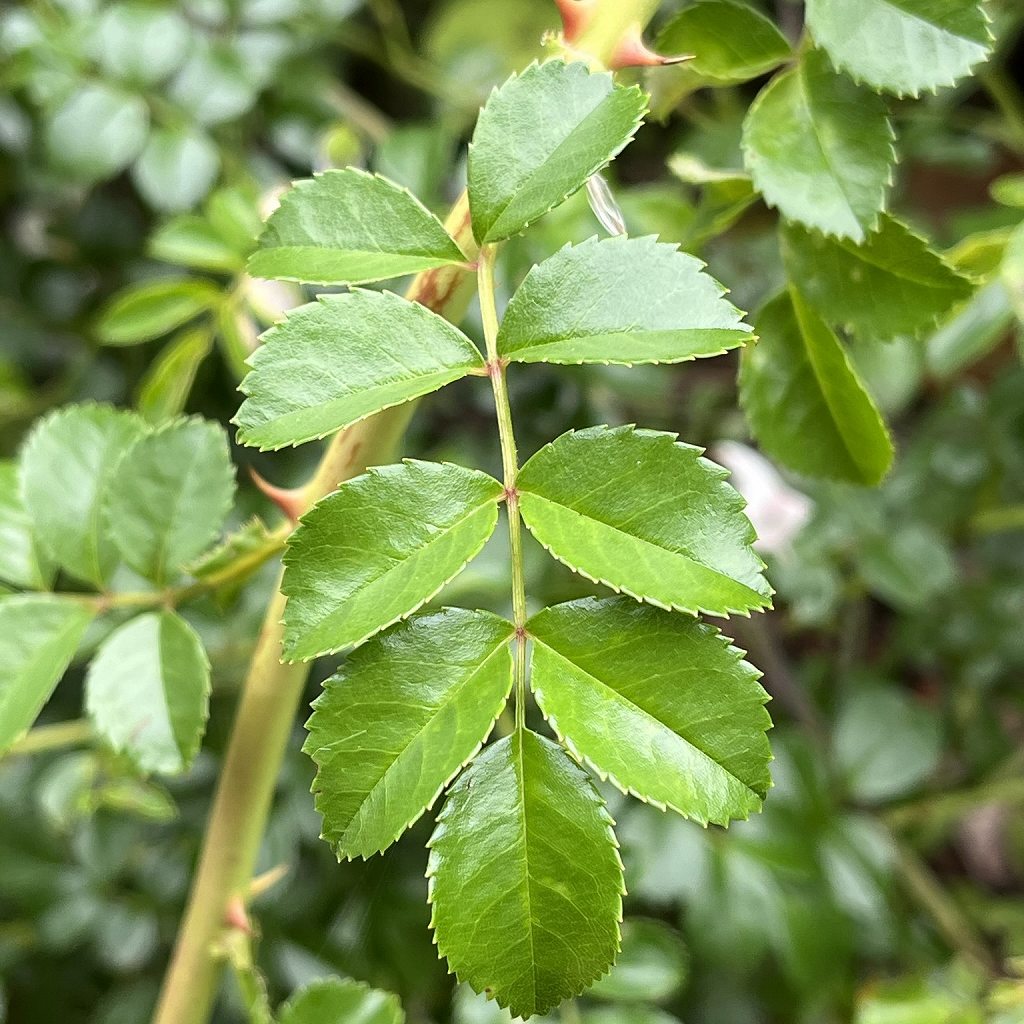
(379, 547)
(902, 46)
(892, 284)
(730, 41)
(67, 464)
(39, 635)
(1011, 271)
(660, 703)
(619, 300)
(350, 227)
(525, 878)
(806, 406)
(23, 563)
(147, 691)
(643, 514)
(169, 496)
(539, 138)
(397, 723)
(819, 147)
(150, 310)
(192, 241)
(341, 1001)
(169, 379)
(339, 359)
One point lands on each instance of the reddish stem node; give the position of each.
(576, 16)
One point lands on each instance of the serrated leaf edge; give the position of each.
(653, 241)
(62, 413)
(738, 503)
(940, 256)
(602, 808)
(298, 184)
(584, 759)
(638, 122)
(379, 471)
(153, 431)
(316, 791)
(269, 337)
(934, 88)
(772, 200)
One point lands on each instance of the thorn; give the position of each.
(633, 52)
(289, 500)
(261, 883)
(236, 917)
(576, 16)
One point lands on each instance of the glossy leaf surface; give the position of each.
(620, 300)
(379, 547)
(902, 46)
(148, 689)
(806, 405)
(525, 878)
(819, 147)
(39, 635)
(169, 497)
(539, 138)
(890, 285)
(643, 514)
(350, 227)
(661, 704)
(342, 358)
(729, 41)
(67, 465)
(396, 724)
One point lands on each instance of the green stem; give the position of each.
(52, 737)
(496, 367)
(272, 691)
(269, 703)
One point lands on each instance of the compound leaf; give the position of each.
(23, 563)
(350, 227)
(643, 514)
(345, 357)
(806, 405)
(397, 723)
(819, 147)
(525, 877)
(379, 547)
(902, 46)
(67, 464)
(891, 284)
(730, 41)
(169, 496)
(660, 703)
(39, 635)
(341, 1001)
(539, 137)
(150, 310)
(147, 691)
(620, 300)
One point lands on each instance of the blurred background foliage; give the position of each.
(140, 145)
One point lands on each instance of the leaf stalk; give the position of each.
(510, 470)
